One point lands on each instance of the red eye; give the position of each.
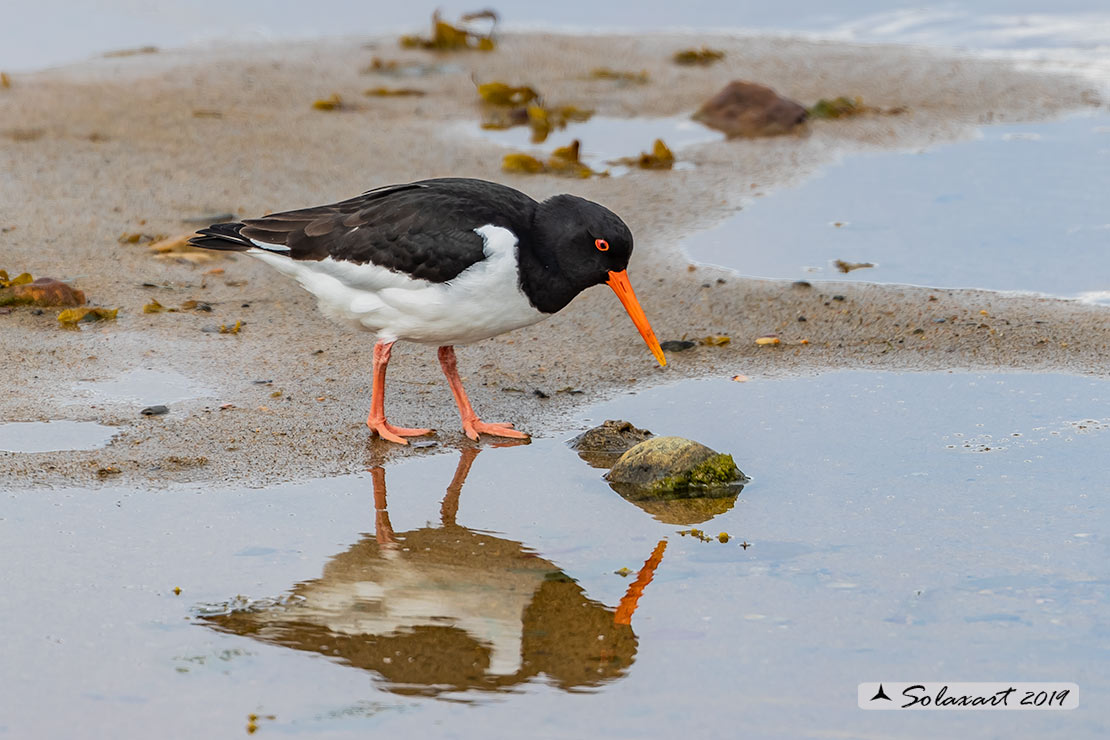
(602, 245)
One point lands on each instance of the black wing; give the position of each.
(424, 229)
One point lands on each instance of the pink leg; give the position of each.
(376, 420)
(472, 425)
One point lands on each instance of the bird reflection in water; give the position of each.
(447, 609)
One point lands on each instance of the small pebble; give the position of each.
(838, 297)
(801, 284)
(677, 345)
(155, 410)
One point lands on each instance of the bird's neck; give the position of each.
(546, 286)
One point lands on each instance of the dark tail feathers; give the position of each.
(225, 237)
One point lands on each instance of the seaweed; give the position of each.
(448, 37)
(563, 161)
(659, 158)
(500, 93)
(506, 106)
(331, 103)
(606, 73)
(21, 279)
(524, 163)
(849, 266)
(25, 134)
(845, 107)
(544, 120)
(840, 107)
(394, 92)
(71, 317)
(702, 57)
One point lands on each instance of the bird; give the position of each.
(444, 261)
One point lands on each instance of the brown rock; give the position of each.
(750, 110)
(42, 292)
(603, 445)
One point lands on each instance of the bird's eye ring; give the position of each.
(602, 245)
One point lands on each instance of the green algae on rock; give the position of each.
(669, 467)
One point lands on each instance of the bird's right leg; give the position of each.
(376, 420)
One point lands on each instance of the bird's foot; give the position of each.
(476, 426)
(387, 431)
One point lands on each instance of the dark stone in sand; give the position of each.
(671, 467)
(155, 410)
(603, 445)
(747, 109)
(677, 345)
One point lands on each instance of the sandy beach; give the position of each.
(155, 143)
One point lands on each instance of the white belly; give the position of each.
(481, 302)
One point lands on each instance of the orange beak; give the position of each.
(618, 281)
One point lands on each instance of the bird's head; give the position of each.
(592, 246)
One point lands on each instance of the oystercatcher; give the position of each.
(445, 261)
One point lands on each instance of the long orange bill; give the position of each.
(618, 281)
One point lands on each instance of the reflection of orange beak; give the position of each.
(618, 281)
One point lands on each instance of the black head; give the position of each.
(581, 241)
(576, 244)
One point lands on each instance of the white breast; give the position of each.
(481, 302)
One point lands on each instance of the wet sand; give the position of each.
(131, 145)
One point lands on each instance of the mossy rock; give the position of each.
(673, 467)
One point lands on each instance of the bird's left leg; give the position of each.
(472, 425)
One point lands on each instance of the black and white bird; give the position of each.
(446, 261)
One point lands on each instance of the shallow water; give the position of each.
(897, 526)
(49, 436)
(142, 386)
(1022, 208)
